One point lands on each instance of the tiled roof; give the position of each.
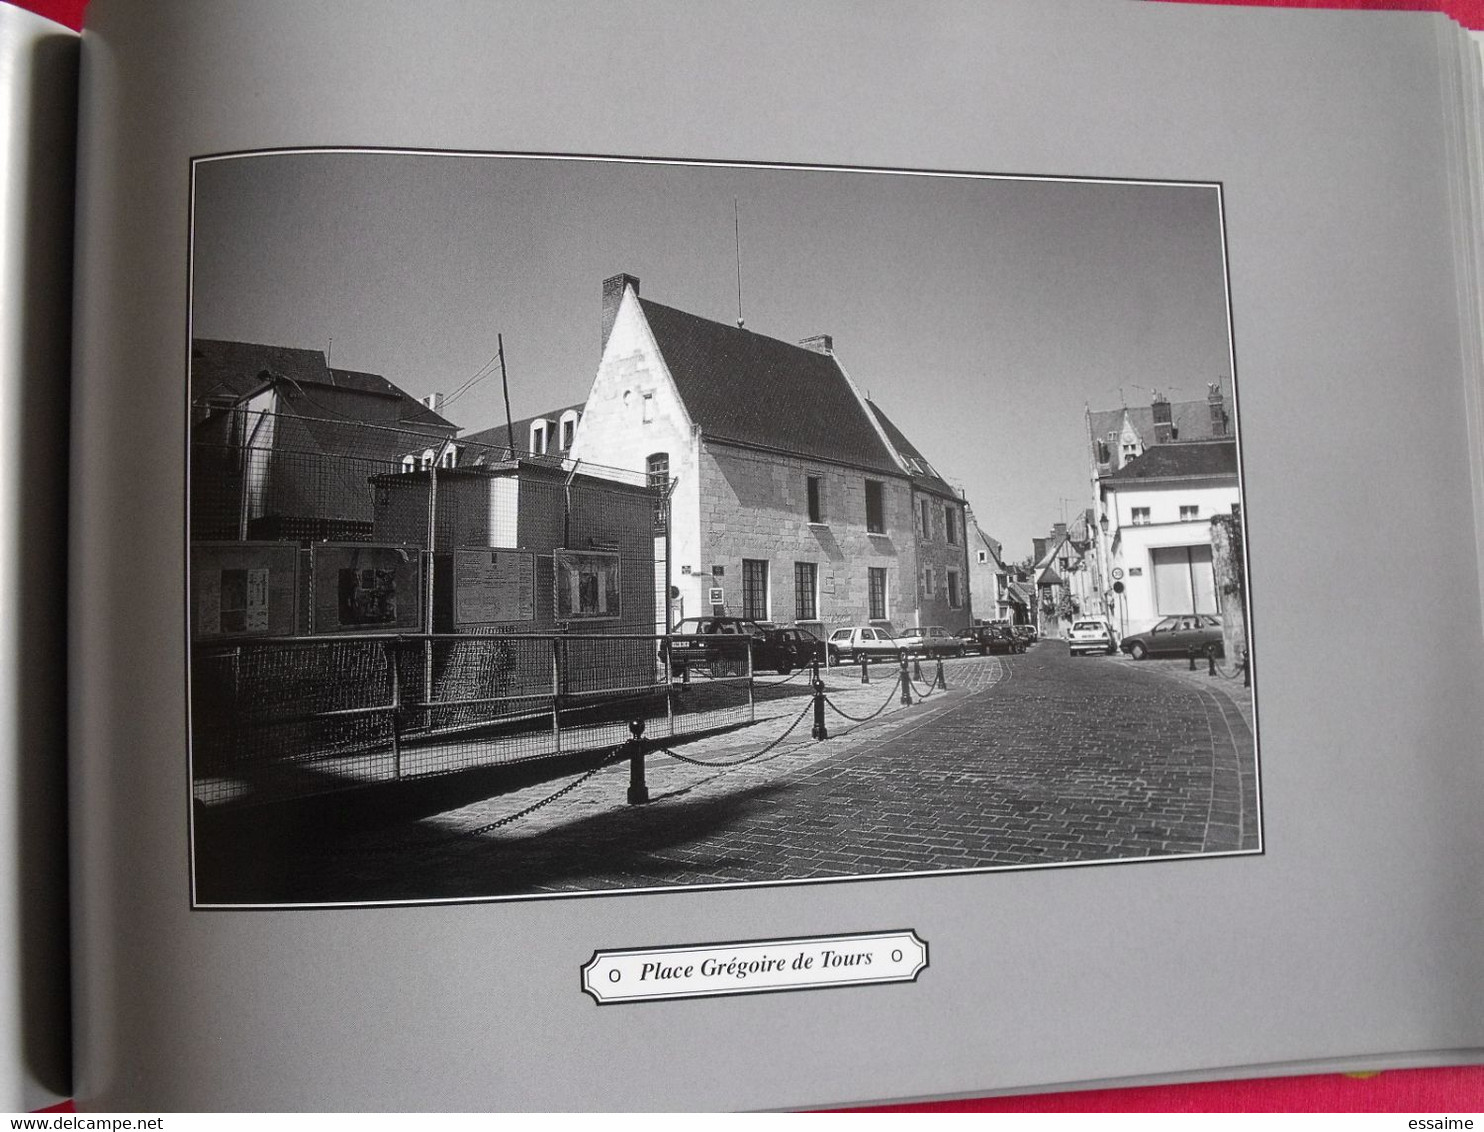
(744, 387)
(923, 473)
(1192, 421)
(1181, 459)
(490, 443)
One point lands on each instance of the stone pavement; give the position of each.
(1030, 759)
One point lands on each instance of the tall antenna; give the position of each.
(737, 234)
(329, 349)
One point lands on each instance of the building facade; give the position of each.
(793, 499)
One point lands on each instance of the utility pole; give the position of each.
(505, 386)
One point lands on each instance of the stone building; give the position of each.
(795, 499)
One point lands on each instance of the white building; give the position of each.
(795, 499)
(1157, 542)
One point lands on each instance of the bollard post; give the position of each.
(638, 788)
(1211, 660)
(820, 731)
(906, 685)
(865, 670)
(917, 668)
(1190, 655)
(938, 680)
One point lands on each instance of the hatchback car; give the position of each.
(992, 639)
(1176, 636)
(1090, 635)
(863, 642)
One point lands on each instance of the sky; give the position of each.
(982, 314)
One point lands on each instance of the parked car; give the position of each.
(991, 639)
(863, 642)
(1090, 634)
(720, 645)
(1175, 636)
(1026, 633)
(799, 647)
(930, 640)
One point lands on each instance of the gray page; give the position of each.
(38, 103)
(1351, 940)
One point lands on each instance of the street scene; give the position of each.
(701, 613)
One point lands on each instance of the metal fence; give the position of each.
(346, 630)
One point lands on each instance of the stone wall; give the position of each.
(755, 505)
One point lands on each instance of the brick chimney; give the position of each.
(613, 289)
(1038, 550)
(1217, 405)
(1164, 425)
(820, 344)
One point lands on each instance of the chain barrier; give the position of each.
(921, 695)
(746, 758)
(891, 695)
(789, 679)
(612, 757)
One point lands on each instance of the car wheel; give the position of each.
(832, 658)
(1138, 650)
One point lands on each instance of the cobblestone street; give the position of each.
(1028, 759)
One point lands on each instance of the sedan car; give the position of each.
(798, 648)
(720, 645)
(863, 642)
(930, 640)
(1091, 634)
(1176, 636)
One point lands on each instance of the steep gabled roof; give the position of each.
(1180, 460)
(923, 473)
(1192, 421)
(744, 387)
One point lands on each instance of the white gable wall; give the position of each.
(614, 433)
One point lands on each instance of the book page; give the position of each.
(38, 98)
(798, 315)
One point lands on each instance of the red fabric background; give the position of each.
(1412, 1090)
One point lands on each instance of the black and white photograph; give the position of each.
(563, 526)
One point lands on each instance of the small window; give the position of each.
(1187, 514)
(927, 581)
(538, 438)
(657, 469)
(427, 460)
(1140, 516)
(950, 525)
(955, 597)
(569, 429)
(925, 518)
(450, 456)
(814, 485)
(875, 509)
(647, 408)
(984, 556)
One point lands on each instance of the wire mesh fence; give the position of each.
(276, 718)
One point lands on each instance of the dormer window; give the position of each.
(409, 463)
(451, 456)
(427, 460)
(540, 437)
(569, 429)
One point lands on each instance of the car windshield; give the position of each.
(1087, 627)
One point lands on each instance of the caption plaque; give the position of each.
(754, 966)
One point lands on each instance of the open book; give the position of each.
(655, 556)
